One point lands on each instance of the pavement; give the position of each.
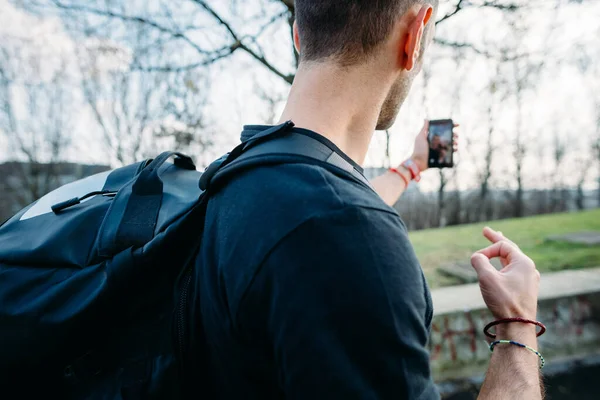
(553, 285)
(584, 238)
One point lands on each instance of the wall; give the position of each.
(459, 348)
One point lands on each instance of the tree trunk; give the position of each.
(388, 159)
(442, 200)
(519, 194)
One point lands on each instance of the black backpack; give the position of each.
(94, 276)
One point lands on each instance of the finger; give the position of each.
(492, 235)
(503, 249)
(482, 265)
(456, 125)
(495, 236)
(425, 128)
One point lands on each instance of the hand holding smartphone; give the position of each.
(441, 148)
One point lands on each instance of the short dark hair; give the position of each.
(346, 30)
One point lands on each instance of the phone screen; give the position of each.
(441, 150)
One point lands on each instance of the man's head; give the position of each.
(390, 35)
(436, 141)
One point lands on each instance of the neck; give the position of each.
(342, 104)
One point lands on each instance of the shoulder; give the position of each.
(273, 206)
(349, 240)
(316, 187)
(267, 203)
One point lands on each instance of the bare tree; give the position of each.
(524, 73)
(596, 146)
(485, 210)
(198, 46)
(140, 113)
(559, 192)
(227, 23)
(595, 142)
(455, 214)
(584, 61)
(35, 119)
(388, 155)
(582, 172)
(441, 193)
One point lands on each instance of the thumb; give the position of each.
(482, 265)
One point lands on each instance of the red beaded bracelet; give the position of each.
(509, 320)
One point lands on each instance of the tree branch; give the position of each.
(462, 4)
(463, 45)
(457, 8)
(238, 43)
(130, 18)
(225, 52)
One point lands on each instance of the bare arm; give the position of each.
(513, 372)
(511, 292)
(389, 186)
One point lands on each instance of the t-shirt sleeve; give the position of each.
(342, 305)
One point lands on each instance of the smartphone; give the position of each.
(441, 149)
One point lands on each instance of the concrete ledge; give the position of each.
(569, 306)
(559, 284)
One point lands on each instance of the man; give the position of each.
(307, 286)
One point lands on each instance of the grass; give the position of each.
(435, 247)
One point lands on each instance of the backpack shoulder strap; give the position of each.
(277, 146)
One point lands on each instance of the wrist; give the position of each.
(519, 332)
(421, 162)
(402, 174)
(413, 169)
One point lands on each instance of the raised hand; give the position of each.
(421, 150)
(512, 291)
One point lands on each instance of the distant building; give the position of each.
(22, 183)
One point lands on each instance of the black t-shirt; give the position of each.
(307, 287)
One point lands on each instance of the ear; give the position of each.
(296, 37)
(414, 40)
